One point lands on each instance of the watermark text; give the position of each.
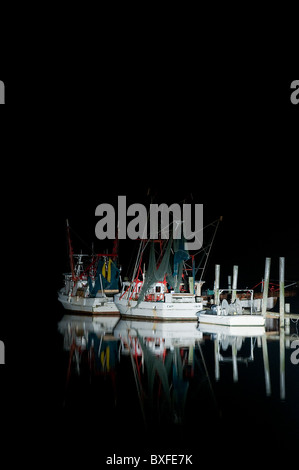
(295, 94)
(187, 222)
(2, 353)
(2, 93)
(295, 354)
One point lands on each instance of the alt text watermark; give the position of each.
(2, 93)
(295, 94)
(2, 353)
(295, 354)
(160, 222)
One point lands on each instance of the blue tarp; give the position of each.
(180, 254)
(101, 275)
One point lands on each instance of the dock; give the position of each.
(292, 316)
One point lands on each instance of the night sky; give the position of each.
(226, 137)
(230, 144)
(237, 158)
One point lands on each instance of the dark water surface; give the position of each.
(171, 393)
(108, 386)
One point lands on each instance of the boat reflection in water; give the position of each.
(166, 366)
(159, 361)
(230, 347)
(93, 351)
(177, 382)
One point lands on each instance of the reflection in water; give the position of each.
(166, 364)
(174, 376)
(230, 347)
(163, 357)
(93, 350)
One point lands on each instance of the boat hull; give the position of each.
(231, 320)
(159, 310)
(88, 306)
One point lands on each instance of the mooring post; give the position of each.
(235, 282)
(281, 291)
(217, 280)
(266, 285)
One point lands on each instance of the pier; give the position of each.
(292, 316)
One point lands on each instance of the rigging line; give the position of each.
(208, 254)
(182, 224)
(139, 256)
(194, 234)
(204, 248)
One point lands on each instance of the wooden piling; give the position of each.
(217, 281)
(281, 291)
(266, 285)
(235, 283)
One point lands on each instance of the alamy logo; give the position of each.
(295, 94)
(2, 94)
(138, 226)
(2, 353)
(295, 354)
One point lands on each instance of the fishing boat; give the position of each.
(168, 289)
(92, 282)
(230, 314)
(158, 294)
(249, 298)
(245, 296)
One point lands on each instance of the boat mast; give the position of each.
(70, 250)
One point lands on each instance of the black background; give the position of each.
(118, 121)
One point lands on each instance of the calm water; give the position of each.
(80, 390)
(135, 387)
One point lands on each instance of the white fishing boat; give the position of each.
(76, 299)
(93, 281)
(157, 294)
(166, 291)
(232, 320)
(229, 315)
(158, 304)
